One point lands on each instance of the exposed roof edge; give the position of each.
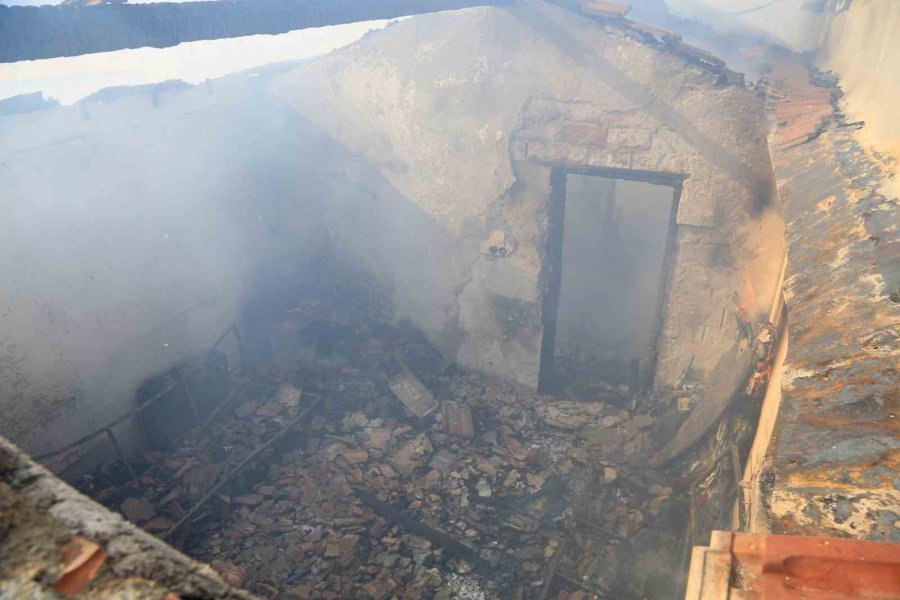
(36, 32)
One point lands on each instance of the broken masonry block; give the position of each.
(413, 394)
(412, 454)
(231, 573)
(137, 510)
(457, 419)
(381, 586)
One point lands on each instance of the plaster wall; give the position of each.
(450, 135)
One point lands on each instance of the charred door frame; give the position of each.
(552, 283)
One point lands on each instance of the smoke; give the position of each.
(130, 234)
(614, 244)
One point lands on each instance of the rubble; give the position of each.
(503, 493)
(429, 533)
(138, 510)
(412, 454)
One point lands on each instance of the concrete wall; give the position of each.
(131, 224)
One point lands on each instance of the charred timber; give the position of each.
(35, 32)
(431, 534)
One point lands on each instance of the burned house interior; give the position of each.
(450, 299)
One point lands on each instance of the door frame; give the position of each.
(552, 279)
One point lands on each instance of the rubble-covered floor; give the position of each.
(550, 498)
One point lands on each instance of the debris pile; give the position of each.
(409, 479)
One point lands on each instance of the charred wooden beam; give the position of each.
(34, 32)
(431, 534)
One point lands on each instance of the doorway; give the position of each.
(611, 238)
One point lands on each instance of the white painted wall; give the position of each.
(862, 45)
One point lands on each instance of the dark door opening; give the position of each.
(610, 241)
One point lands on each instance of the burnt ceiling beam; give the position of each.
(34, 32)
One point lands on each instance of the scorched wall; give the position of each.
(136, 221)
(441, 129)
